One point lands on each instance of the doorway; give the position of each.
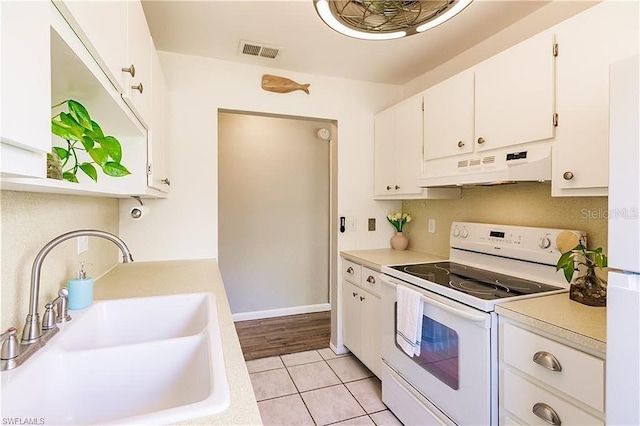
(275, 213)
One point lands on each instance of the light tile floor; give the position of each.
(318, 388)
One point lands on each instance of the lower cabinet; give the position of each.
(361, 316)
(543, 380)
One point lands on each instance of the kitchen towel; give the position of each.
(409, 328)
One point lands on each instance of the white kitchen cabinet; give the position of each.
(506, 100)
(398, 154)
(158, 152)
(138, 89)
(448, 117)
(361, 314)
(26, 94)
(103, 28)
(543, 379)
(117, 36)
(514, 95)
(588, 44)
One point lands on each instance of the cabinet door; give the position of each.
(384, 153)
(371, 332)
(407, 145)
(158, 155)
(351, 323)
(26, 87)
(448, 117)
(588, 44)
(514, 93)
(137, 91)
(102, 26)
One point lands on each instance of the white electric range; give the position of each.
(454, 379)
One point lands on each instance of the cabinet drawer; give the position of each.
(581, 375)
(370, 280)
(521, 396)
(351, 271)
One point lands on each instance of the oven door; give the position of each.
(453, 370)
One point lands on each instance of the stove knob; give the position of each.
(544, 242)
(464, 233)
(456, 232)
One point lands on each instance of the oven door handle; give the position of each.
(454, 311)
(429, 301)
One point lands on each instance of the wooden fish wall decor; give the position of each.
(273, 83)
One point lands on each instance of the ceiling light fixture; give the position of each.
(386, 19)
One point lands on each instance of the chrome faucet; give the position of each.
(32, 331)
(33, 335)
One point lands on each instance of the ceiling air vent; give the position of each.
(261, 50)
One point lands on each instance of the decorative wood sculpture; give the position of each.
(273, 83)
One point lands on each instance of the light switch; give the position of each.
(352, 224)
(372, 224)
(431, 226)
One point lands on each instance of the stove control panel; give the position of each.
(518, 242)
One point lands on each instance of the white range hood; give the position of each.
(507, 165)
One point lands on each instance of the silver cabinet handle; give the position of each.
(166, 181)
(397, 187)
(350, 270)
(354, 294)
(371, 279)
(546, 413)
(547, 360)
(567, 175)
(461, 144)
(131, 70)
(139, 87)
(388, 188)
(481, 141)
(361, 298)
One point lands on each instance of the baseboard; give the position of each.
(338, 350)
(281, 312)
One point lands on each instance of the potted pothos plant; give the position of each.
(587, 287)
(84, 134)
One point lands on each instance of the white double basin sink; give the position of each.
(148, 360)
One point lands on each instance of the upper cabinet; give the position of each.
(26, 99)
(398, 154)
(448, 117)
(49, 58)
(514, 95)
(504, 101)
(117, 36)
(158, 155)
(588, 44)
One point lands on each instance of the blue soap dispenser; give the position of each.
(80, 290)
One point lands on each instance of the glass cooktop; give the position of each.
(476, 282)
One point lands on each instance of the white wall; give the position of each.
(185, 225)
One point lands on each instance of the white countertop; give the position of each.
(375, 258)
(140, 279)
(560, 316)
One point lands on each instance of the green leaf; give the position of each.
(76, 128)
(62, 153)
(568, 272)
(89, 170)
(69, 176)
(87, 142)
(58, 128)
(80, 113)
(97, 130)
(111, 168)
(98, 155)
(113, 148)
(564, 259)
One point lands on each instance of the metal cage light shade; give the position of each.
(386, 19)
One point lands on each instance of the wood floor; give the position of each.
(284, 335)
